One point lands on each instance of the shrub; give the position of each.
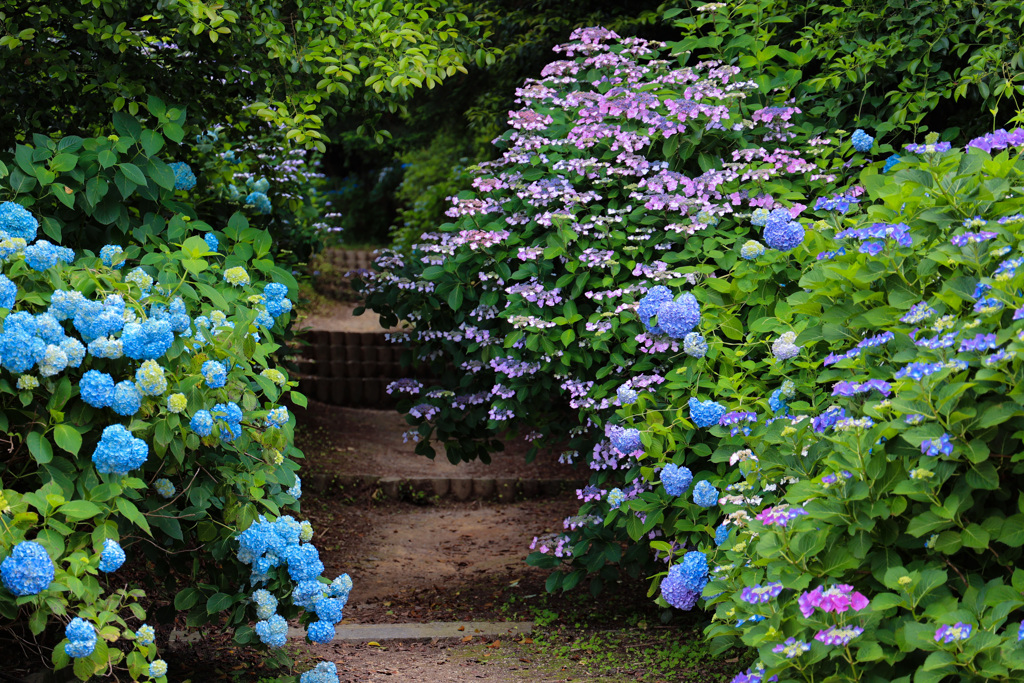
(899, 68)
(141, 406)
(863, 530)
(524, 305)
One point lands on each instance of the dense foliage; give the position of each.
(899, 68)
(163, 341)
(291, 65)
(792, 368)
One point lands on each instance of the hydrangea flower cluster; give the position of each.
(81, 636)
(112, 556)
(627, 440)
(28, 570)
(118, 452)
(184, 178)
(676, 479)
(705, 413)
(685, 581)
(280, 544)
(862, 142)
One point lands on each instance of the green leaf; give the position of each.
(39, 447)
(974, 536)
(218, 602)
(132, 514)
(63, 162)
(132, 173)
(77, 510)
(68, 438)
(186, 599)
(106, 158)
(152, 142)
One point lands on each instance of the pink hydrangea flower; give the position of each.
(839, 598)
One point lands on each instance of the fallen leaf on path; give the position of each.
(526, 641)
(462, 628)
(467, 639)
(495, 644)
(374, 643)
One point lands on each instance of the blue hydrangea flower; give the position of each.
(303, 562)
(273, 632)
(627, 440)
(862, 142)
(751, 249)
(164, 488)
(119, 452)
(260, 201)
(676, 479)
(704, 494)
(308, 593)
(278, 417)
(148, 340)
(266, 604)
(341, 586)
(616, 498)
(73, 350)
(785, 236)
(28, 570)
(264, 319)
(184, 178)
(215, 374)
(694, 570)
(321, 631)
(278, 307)
(257, 184)
(150, 379)
(325, 672)
(82, 635)
(785, 347)
(96, 388)
(650, 304)
(18, 222)
(330, 609)
(145, 635)
(677, 318)
(777, 402)
(108, 253)
(295, 491)
(127, 400)
(202, 423)
(626, 395)
(705, 413)
(42, 255)
(53, 361)
(275, 291)
(112, 556)
(8, 292)
(759, 217)
(157, 668)
(695, 345)
(721, 534)
(212, 243)
(675, 592)
(106, 347)
(890, 162)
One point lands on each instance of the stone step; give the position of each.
(501, 489)
(420, 633)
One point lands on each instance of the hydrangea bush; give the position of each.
(145, 421)
(862, 525)
(555, 296)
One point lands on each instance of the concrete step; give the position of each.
(415, 489)
(422, 633)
